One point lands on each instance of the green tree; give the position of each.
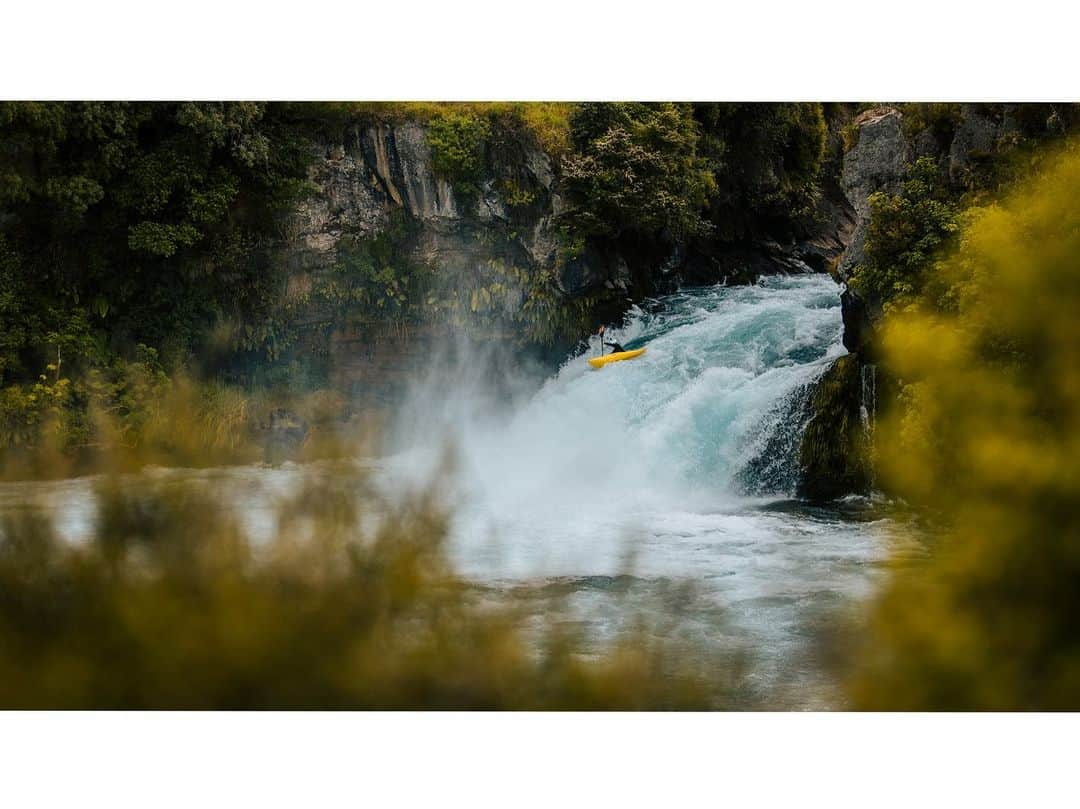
(144, 217)
(635, 168)
(457, 141)
(766, 160)
(906, 232)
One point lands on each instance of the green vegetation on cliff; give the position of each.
(457, 142)
(834, 453)
(911, 229)
(766, 160)
(905, 234)
(671, 171)
(635, 167)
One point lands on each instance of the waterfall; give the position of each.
(868, 398)
(711, 413)
(868, 415)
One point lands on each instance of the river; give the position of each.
(604, 489)
(678, 466)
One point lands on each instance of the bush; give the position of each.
(766, 160)
(457, 142)
(635, 168)
(940, 119)
(144, 219)
(988, 446)
(906, 232)
(171, 604)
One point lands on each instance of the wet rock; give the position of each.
(859, 322)
(834, 454)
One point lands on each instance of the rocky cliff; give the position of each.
(376, 185)
(494, 254)
(964, 141)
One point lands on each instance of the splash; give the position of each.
(709, 415)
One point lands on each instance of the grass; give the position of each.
(549, 121)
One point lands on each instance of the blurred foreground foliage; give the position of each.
(987, 440)
(131, 414)
(349, 603)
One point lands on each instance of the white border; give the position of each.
(554, 50)
(536, 760)
(558, 49)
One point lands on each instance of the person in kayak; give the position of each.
(615, 347)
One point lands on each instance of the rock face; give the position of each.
(375, 178)
(834, 453)
(835, 450)
(883, 150)
(877, 162)
(371, 179)
(383, 170)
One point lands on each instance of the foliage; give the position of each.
(170, 604)
(457, 143)
(546, 318)
(547, 121)
(766, 160)
(457, 132)
(905, 232)
(132, 413)
(940, 119)
(635, 168)
(988, 444)
(139, 221)
(676, 171)
(372, 279)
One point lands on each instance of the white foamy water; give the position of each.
(653, 446)
(642, 468)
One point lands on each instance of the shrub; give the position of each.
(635, 168)
(171, 604)
(143, 218)
(940, 119)
(457, 142)
(905, 233)
(988, 446)
(765, 159)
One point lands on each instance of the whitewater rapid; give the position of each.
(598, 458)
(678, 466)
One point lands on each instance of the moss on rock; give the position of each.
(835, 454)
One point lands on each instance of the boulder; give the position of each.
(877, 162)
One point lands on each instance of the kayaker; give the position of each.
(615, 347)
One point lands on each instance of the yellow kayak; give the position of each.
(600, 362)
